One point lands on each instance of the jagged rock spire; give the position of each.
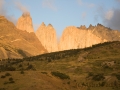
(47, 36)
(25, 22)
(83, 27)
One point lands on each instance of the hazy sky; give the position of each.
(63, 13)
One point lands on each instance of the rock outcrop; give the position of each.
(47, 36)
(73, 38)
(81, 37)
(25, 23)
(15, 43)
(22, 41)
(105, 33)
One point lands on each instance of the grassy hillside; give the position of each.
(93, 68)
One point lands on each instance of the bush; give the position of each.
(10, 68)
(118, 76)
(20, 65)
(44, 72)
(98, 77)
(22, 72)
(10, 79)
(90, 74)
(30, 67)
(60, 75)
(68, 82)
(102, 84)
(5, 82)
(2, 76)
(7, 74)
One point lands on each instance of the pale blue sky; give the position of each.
(63, 13)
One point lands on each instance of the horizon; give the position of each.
(62, 14)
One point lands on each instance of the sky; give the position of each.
(64, 13)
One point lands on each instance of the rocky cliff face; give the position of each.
(81, 37)
(105, 32)
(22, 42)
(47, 36)
(16, 43)
(25, 23)
(73, 38)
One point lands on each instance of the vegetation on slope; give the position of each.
(93, 68)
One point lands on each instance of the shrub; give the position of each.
(49, 60)
(20, 65)
(22, 72)
(11, 68)
(102, 84)
(98, 77)
(31, 67)
(60, 75)
(68, 82)
(118, 77)
(90, 74)
(10, 79)
(7, 74)
(74, 80)
(5, 82)
(2, 76)
(44, 72)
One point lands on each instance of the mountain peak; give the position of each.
(47, 36)
(25, 22)
(25, 14)
(82, 27)
(50, 25)
(1, 17)
(102, 26)
(43, 24)
(99, 24)
(91, 27)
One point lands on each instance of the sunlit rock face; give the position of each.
(47, 36)
(25, 23)
(73, 38)
(81, 37)
(105, 32)
(15, 43)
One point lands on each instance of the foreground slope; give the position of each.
(16, 43)
(93, 68)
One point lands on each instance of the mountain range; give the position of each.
(15, 43)
(21, 41)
